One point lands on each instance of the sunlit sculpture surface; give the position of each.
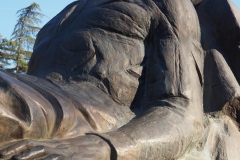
(131, 80)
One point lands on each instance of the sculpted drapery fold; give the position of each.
(144, 77)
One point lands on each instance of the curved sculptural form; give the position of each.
(129, 79)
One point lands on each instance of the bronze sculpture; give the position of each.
(131, 79)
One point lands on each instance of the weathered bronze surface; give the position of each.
(128, 80)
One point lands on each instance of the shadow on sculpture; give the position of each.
(141, 79)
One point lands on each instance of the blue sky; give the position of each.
(8, 9)
(237, 2)
(50, 8)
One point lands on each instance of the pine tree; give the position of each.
(7, 52)
(24, 34)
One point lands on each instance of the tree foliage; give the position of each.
(7, 52)
(18, 49)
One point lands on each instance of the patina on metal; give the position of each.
(128, 79)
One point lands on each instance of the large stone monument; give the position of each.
(128, 79)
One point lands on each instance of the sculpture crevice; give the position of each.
(139, 79)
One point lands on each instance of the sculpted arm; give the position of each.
(173, 121)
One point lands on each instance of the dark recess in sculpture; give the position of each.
(128, 79)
